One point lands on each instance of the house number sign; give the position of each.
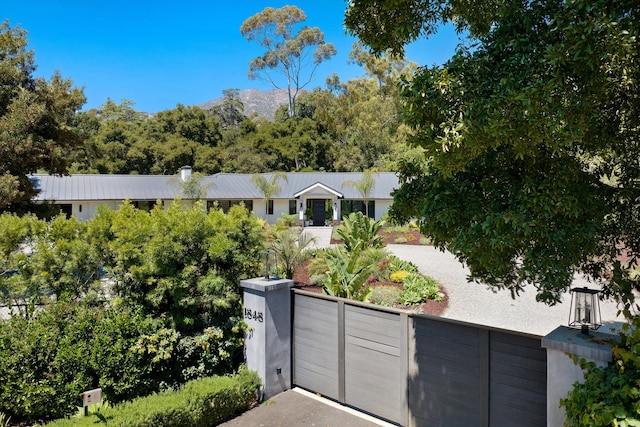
(253, 315)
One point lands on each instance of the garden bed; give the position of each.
(397, 236)
(302, 280)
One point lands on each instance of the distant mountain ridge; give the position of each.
(264, 104)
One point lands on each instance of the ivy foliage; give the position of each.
(609, 396)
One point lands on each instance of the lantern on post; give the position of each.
(585, 310)
(270, 263)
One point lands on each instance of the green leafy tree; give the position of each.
(268, 186)
(230, 112)
(293, 145)
(287, 52)
(191, 123)
(36, 120)
(531, 137)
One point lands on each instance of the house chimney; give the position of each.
(185, 172)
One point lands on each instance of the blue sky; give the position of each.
(161, 53)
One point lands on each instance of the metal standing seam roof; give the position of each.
(218, 187)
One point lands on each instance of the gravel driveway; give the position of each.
(475, 303)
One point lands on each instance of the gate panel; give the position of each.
(518, 387)
(445, 378)
(373, 362)
(315, 349)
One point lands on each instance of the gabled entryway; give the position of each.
(320, 203)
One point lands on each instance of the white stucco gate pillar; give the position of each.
(562, 344)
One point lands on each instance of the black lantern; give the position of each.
(585, 310)
(270, 263)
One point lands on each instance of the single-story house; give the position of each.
(316, 197)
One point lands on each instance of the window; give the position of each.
(293, 207)
(349, 206)
(270, 208)
(66, 209)
(225, 205)
(144, 205)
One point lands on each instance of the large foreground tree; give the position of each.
(36, 118)
(531, 137)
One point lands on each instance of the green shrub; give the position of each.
(425, 241)
(199, 403)
(400, 239)
(286, 221)
(386, 295)
(47, 361)
(417, 289)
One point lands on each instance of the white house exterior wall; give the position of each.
(91, 191)
(382, 207)
(280, 207)
(87, 209)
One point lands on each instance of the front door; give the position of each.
(319, 212)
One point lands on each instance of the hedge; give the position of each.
(199, 403)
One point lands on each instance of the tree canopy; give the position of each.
(287, 53)
(36, 119)
(530, 137)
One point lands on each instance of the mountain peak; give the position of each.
(263, 103)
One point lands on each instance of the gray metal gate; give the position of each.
(417, 370)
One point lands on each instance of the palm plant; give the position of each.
(364, 186)
(191, 187)
(289, 246)
(268, 187)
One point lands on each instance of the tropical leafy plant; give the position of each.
(359, 232)
(344, 278)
